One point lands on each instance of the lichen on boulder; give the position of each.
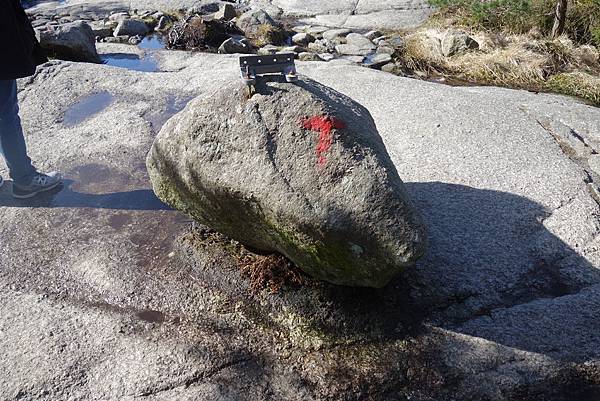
(296, 169)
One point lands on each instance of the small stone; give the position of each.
(135, 40)
(385, 50)
(102, 29)
(131, 27)
(326, 56)
(116, 39)
(331, 34)
(292, 49)
(351, 50)
(317, 47)
(456, 42)
(267, 50)
(372, 35)
(379, 39)
(303, 39)
(389, 67)
(226, 12)
(378, 60)
(232, 45)
(300, 28)
(359, 41)
(308, 56)
(317, 30)
(396, 42)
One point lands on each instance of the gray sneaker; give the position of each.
(39, 183)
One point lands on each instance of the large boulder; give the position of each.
(74, 41)
(296, 169)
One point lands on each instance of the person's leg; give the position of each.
(12, 142)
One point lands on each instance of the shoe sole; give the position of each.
(31, 195)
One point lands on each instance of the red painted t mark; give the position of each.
(323, 125)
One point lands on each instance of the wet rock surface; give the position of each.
(318, 186)
(503, 306)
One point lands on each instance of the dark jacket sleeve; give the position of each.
(19, 49)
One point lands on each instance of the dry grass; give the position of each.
(514, 61)
(579, 84)
(267, 34)
(272, 272)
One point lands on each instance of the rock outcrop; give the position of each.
(296, 169)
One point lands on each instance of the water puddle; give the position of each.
(86, 108)
(174, 105)
(134, 62)
(33, 3)
(152, 42)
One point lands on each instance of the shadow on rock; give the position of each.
(493, 270)
(489, 250)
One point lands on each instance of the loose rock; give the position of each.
(378, 60)
(131, 27)
(303, 39)
(73, 41)
(456, 42)
(335, 33)
(226, 12)
(296, 169)
(233, 45)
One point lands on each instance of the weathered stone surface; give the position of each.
(318, 47)
(102, 29)
(233, 45)
(131, 27)
(308, 56)
(268, 49)
(356, 45)
(340, 212)
(73, 41)
(358, 40)
(502, 306)
(303, 39)
(326, 56)
(378, 60)
(251, 20)
(456, 42)
(226, 12)
(335, 33)
(352, 50)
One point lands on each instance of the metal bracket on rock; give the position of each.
(252, 68)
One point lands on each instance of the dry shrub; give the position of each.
(269, 271)
(195, 33)
(423, 52)
(267, 34)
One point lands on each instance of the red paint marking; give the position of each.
(324, 126)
